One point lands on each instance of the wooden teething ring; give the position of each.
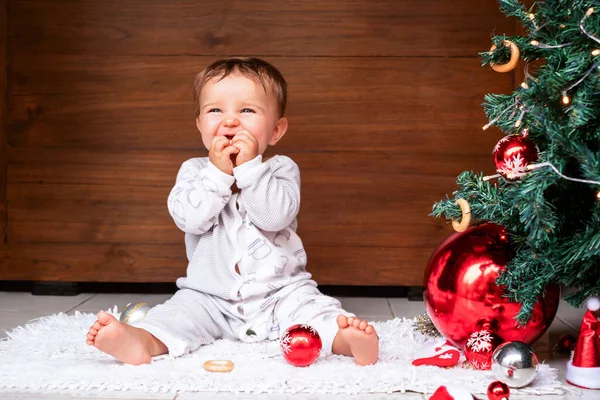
(218, 365)
(514, 57)
(466, 216)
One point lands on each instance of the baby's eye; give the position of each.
(214, 110)
(247, 110)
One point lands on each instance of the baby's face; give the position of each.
(238, 103)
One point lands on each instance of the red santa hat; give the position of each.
(583, 369)
(451, 392)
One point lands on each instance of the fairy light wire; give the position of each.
(532, 167)
(589, 71)
(538, 28)
(492, 122)
(521, 171)
(520, 119)
(582, 27)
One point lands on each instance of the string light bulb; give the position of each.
(518, 123)
(524, 85)
(598, 195)
(595, 52)
(548, 46)
(590, 11)
(565, 99)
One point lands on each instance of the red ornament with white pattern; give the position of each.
(513, 154)
(300, 345)
(479, 348)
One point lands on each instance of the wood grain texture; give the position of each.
(83, 262)
(458, 28)
(384, 110)
(353, 266)
(348, 199)
(409, 105)
(3, 96)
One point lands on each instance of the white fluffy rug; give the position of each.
(50, 355)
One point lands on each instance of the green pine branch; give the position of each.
(553, 222)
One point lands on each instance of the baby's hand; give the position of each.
(248, 145)
(221, 152)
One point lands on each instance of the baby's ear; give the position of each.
(280, 128)
(198, 122)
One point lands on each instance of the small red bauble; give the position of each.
(565, 344)
(513, 154)
(479, 348)
(300, 345)
(498, 391)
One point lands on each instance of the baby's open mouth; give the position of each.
(229, 137)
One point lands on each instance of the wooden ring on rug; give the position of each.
(466, 216)
(515, 53)
(218, 365)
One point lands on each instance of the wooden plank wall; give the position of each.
(3, 94)
(384, 112)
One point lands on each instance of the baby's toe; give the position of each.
(363, 325)
(370, 329)
(342, 321)
(356, 323)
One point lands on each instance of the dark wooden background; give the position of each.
(97, 116)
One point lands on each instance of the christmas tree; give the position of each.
(547, 192)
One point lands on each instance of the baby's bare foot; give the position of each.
(123, 342)
(358, 339)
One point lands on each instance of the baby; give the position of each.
(246, 278)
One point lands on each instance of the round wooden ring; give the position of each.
(218, 365)
(515, 53)
(466, 216)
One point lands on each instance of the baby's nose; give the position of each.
(231, 121)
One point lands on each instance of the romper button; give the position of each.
(240, 309)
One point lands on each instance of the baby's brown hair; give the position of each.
(253, 68)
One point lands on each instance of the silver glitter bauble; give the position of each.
(134, 312)
(515, 364)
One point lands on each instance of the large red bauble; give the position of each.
(512, 154)
(479, 348)
(461, 295)
(300, 345)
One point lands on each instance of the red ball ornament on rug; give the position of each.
(300, 345)
(513, 154)
(461, 295)
(479, 348)
(498, 391)
(565, 344)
